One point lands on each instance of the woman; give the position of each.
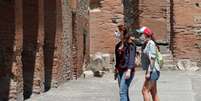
(118, 32)
(119, 37)
(152, 68)
(125, 52)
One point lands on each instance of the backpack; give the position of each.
(159, 57)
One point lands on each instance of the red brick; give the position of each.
(101, 26)
(38, 36)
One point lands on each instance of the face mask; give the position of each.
(142, 38)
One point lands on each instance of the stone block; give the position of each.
(88, 74)
(187, 65)
(183, 64)
(99, 62)
(194, 67)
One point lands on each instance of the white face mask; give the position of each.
(142, 38)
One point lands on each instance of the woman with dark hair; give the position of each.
(118, 32)
(125, 52)
(152, 67)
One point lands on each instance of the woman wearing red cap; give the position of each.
(152, 68)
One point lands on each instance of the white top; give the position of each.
(117, 37)
(150, 50)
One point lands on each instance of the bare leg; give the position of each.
(146, 90)
(154, 92)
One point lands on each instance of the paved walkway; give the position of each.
(173, 86)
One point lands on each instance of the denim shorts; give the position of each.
(154, 75)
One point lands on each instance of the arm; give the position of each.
(116, 55)
(132, 54)
(151, 65)
(117, 60)
(131, 60)
(152, 56)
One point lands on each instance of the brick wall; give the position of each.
(167, 18)
(131, 12)
(80, 36)
(153, 14)
(49, 40)
(30, 34)
(170, 23)
(7, 36)
(37, 38)
(16, 89)
(136, 13)
(187, 26)
(10, 51)
(101, 26)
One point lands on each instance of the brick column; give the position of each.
(168, 21)
(67, 40)
(74, 41)
(81, 36)
(16, 81)
(57, 60)
(38, 83)
(131, 13)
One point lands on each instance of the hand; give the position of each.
(147, 76)
(128, 74)
(116, 74)
(116, 70)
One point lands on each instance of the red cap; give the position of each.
(146, 31)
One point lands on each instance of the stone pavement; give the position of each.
(173, 86)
